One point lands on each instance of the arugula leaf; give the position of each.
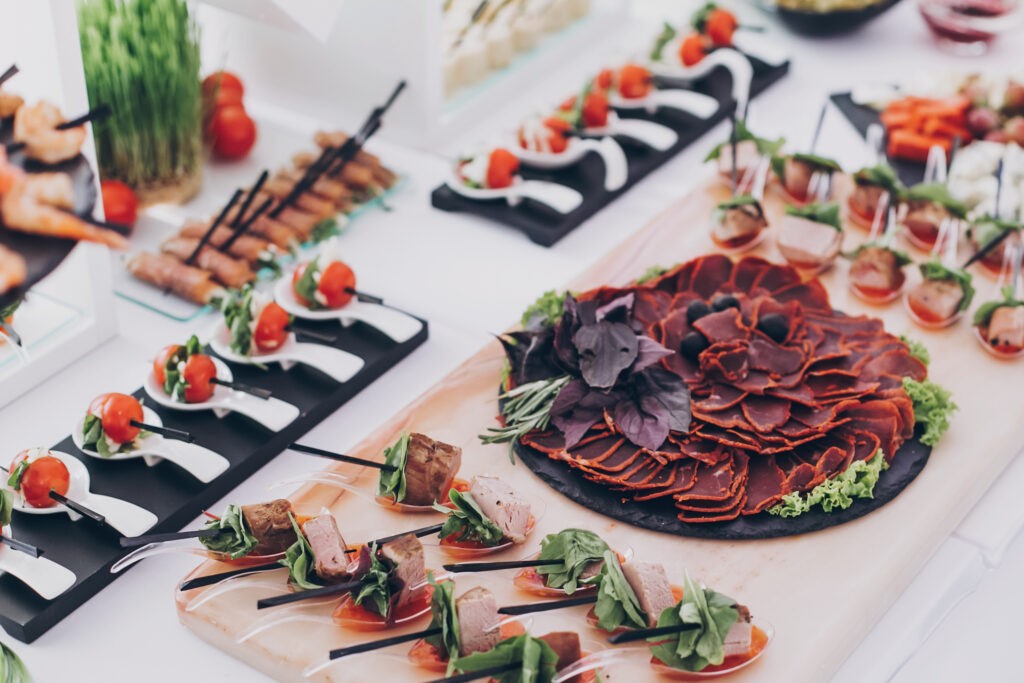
(837, 493)
(934, 270)
(324, 230)
(306, 286)
(376, 585)
(938, 193)
(545, 311)
(738, 201)
(235, 539)
(12, 669)
(467, 522)
(765, 146)
(617, 604)
(933, 406)
(445, 616)
(577, 549)
(983, 315)
(698, 648)
(14, 481)
(824, 213)
(6, 507)
(538, 661)
(917, 349)
(392, 484)
(668, 32)
(652, 273)
(882, 175)
(300, 561)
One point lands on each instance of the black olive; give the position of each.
(775, 326)
(724, 301)
(696, 310)
(692, 344)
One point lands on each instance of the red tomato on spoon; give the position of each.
(502, 167)
(271, 327)
(43, 475)
(116, 413)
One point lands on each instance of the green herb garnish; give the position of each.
(6, 507)
(467, 522)
(238, 316)
(988, 229)
(527, 408)
(546, 311)
(668, 32)
(12, 669)
(704, 646)
(444, 616)
(938, 193)
(933, 407)
(235, 540)
(902, 257)
(536, 658)
(300, 561)
(738, 201)
(983, 315)
(324, 230)
(826, 214)
(699, 19)
(881, 175)
(574, 117)
(392, 484)
(765, 146)
(94, 439)
(817, 162)
(14, 481)
(917, 349)
(577, 549)
(617, 603)
(174, 380)
(837, 493)
(375, 585)
(934, 270)
(306, 286)
(10, 309)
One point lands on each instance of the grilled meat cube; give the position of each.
(478, 620)
(502, 506)
(271, 524)
(737, 640)
(796, 177)
(747, 155)
(650, 583)
(430, 467)
(876, 268)
(925, 217)
(566, 645)
(1006, 327)
(939, 298)
(324, 538)
(865, 200)
(740, 222)
(405, 555)
(808, 243)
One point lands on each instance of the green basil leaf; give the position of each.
(300, 561)
(617, 604)
(235, 539)
(577, 549)
(392, 484)
(467, 522)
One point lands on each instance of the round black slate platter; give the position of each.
(661, 516)
(43, 254)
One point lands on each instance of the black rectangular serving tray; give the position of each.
(861, 117)
(546, 227)
(173, 495)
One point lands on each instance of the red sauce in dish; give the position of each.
(879, 295)
(922, 237)
(736, 242)
(924, 314)
(358, 618)
(758, 642)
(858, 218)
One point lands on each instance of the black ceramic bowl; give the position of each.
(811, 23)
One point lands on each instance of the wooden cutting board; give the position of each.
(823, 592)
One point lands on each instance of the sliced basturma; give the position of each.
(684, 476)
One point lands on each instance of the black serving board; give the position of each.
(173, 495)
(661, 516)
(546, 227)
(43, 254)
(910, 172)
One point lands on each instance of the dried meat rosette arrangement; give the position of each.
(723, 387)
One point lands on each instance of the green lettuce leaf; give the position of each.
(14, 481)
(235, 539)
(934, 270)
(938, 193)
(826, 214)
(444, 616)
(917, 349)
(545, 311)
(375, 587)
(698, 648)
(765, 146)
(652, 273)
(392, 484)
(837, 493)
(882, 175)
(324, 230)
(306, 286)
(989, 228)
(467, 522)
(577, 549)
(668, 32)
(617, 604)
(12, 669)
(818, 162)
(933, 407)
(538, 661)
(6, 507)
(985, 311)
(738, 201)
(300, 561)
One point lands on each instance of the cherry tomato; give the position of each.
(501, 168)
(199, 370)
(692, 51)
(559, 138)
(720, 26)
(227, 97)
(605, 79)
(160, 363)
(271, 327)
(336, 282)
(116, 414)
(595, 110)
(634, 81)
(120, 204)
(43, 475)
(220, 81)
(233, 132)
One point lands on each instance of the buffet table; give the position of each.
(449, 269)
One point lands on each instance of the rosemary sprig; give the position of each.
(527, 408)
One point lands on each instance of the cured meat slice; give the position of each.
(714, 482)
(722, 396)
(624, 455)
(747, 272)
(766, 485)
(684, 476)
(775, 277)
(723, 326)
(650, 306)
(727, 363)
(710, 274)
(812, 296)
(765, 413)
(764, 354)
(896, 362)
(714, 516)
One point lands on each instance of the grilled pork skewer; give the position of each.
(247, 247)
(167, 272)
(228, 271)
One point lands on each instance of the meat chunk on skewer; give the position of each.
(166, 272)
(737, 640)
(478, 619)
(246, 247)
(406, 557)
(430, 467)
(939, 299)
(324, 538)
(877, 269)
(1006, 327)
(271, 524)
(228, 271)
(566, 645)
(9, 104)
(502, 506)
(650, 583)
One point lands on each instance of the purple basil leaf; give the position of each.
(649, 352)
(618, 310)
(670, 391)
(642, 422)
(577, 408)
(605, 350)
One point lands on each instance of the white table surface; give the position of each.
(456, 271)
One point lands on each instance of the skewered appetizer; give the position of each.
(36, 126)
(425, 470)
(548, 135)
(797, 171)
(394, 587)
(492, 170)
(876, 273)
(320, 556)
(257, 251)
(988, 229)
(942, 295)
(631, 81)
(225, 269)
(928, 206)
(256, 323)
(34, 473)
(749, 150)
(490, 515)
(710, 27)
(1000, 325)
(108, 427)
(589, 109)
(631, 595)
(538, 659)
(166, 272)
(252, 531)
(581, 559)
(810, 236)
(870, 186)
(738, 223)
(184, 372)
(324, 282)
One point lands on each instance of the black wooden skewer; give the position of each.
(495, 566)
(998, 239)
(364, 297)
(732, 139)
(482, 673)
(12, 71)
(311, 450)
(21, 546)
(213, 226)
(168, 432)
(78, 507)
(100, 112)
(634, 635)
(818, 127)
(382, 643)
(138, 541)
(547, 606)
(299, 596)
(316, 336)
(11, 334)
(244, 388)
(241, 229)
(211, 579)
(418, 533)
(253, 191)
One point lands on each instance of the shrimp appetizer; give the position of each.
(36, 125)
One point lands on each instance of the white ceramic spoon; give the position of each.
(335, 363)
(202, 463)
(45, 577)
(761, 47)
(128, 518)
(272, 413)
(616, 170)
(697, 104)
(649, 133)
(738, 65)
(559, 197)
(398, 326)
